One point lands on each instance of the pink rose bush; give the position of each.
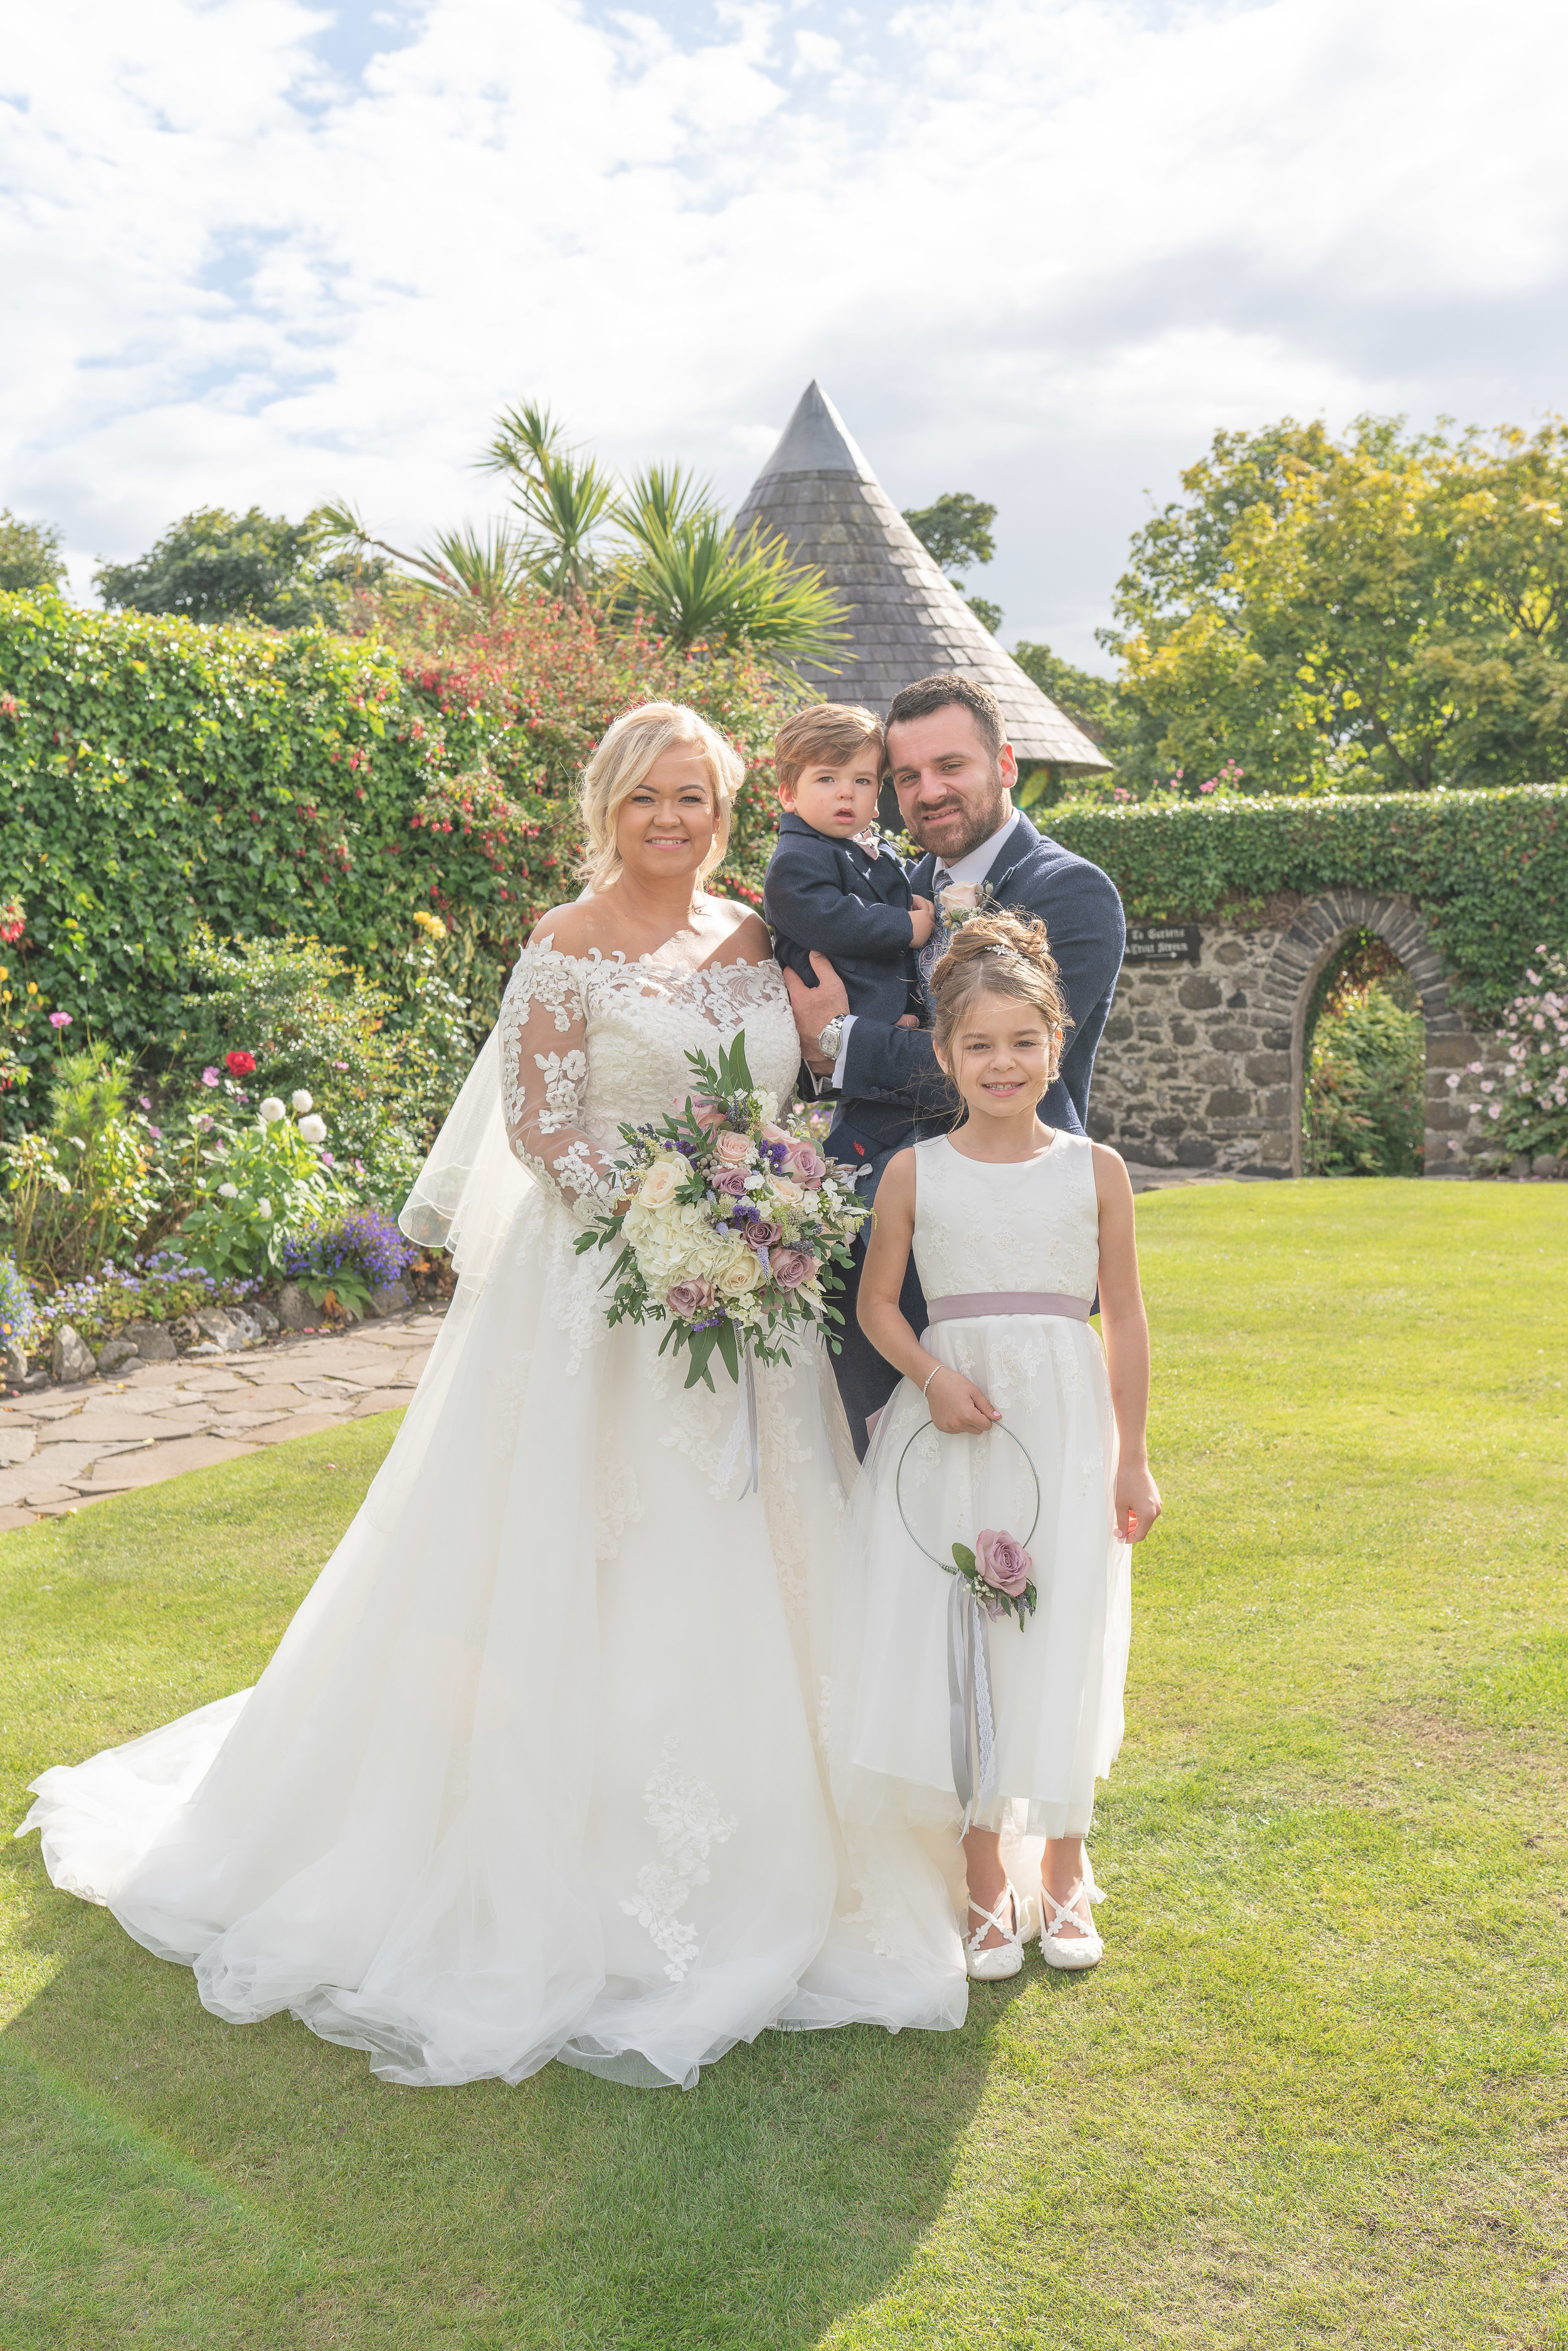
(726, 1226)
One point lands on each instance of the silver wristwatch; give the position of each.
(828, 1040)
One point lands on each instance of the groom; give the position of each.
(952, 770)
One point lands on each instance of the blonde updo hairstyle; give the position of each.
(623, 760)
(997, 952)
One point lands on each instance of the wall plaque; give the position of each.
(1163, 943)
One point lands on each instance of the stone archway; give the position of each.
(1293, 970)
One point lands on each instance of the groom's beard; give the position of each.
(979, 826)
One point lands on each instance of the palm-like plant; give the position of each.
(564, 499)
(491, 572)
(677, 560)
(702, 585)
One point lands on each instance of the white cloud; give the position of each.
(1039, 249)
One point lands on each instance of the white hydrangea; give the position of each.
(270, 1109)
(313, 1129)
(301, 1101)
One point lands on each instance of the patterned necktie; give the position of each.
(936, 947)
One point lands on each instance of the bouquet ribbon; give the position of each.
(970, 1722)
(743, 1431)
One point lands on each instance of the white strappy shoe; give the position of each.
(1081, 1946)
(1001, 1959)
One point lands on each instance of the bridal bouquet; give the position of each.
(729, 1227)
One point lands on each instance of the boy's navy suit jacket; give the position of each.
(894, 1092)
(854, 909)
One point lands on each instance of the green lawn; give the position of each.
(1315, 2094)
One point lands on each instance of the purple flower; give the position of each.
(1003, 1562)
(59, 1020)
(210, 1078)
(730, 1182)
(764, 1233)
(328, 1160)
(689, 1299)
(143, 1101)
(792, 1267)
(156, 1133)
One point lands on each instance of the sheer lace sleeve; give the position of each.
(544, 1073)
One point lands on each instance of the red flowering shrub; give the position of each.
(240, 1065)
(156, 774)
(12, 921)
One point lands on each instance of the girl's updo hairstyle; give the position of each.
(996, 953)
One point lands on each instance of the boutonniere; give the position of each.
(869, 841)
(962, 901)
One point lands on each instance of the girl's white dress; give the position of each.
(980, 1233)
(537, 1770)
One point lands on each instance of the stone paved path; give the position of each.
(65, 1447)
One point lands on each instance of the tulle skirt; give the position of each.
(536, 1770)
(1057, 1683)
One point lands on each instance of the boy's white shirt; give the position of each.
(972, 866)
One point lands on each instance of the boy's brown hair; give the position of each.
(826, 733)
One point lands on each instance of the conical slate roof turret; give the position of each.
(906, 619)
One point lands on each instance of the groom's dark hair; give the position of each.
(929, 694)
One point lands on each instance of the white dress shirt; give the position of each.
(972, 866)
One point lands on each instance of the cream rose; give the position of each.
(661, 1182)
(732, 1150)
(738, 1274)
(785, 1190)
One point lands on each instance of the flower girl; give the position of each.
(1011, 1455)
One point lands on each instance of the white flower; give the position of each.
(300, 1100)
(229, 1191)
(313, 1129)
(263, 1209)
(271, 1110)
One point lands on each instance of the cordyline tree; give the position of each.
(656, 550)
(1387, 611)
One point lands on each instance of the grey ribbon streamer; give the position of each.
(744, 1431)
(970, 1722)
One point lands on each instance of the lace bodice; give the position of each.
(591, 1042)
(1035, 1226)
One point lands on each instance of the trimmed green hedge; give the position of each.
(157, 774)
(1488, 869)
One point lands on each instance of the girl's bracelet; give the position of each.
(941, 1367)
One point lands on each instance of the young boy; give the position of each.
(831, 885)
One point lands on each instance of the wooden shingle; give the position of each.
(905, 618)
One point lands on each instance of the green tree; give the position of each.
(1383, 611)
(217, 566)
(957, 531)
(1093, 703)
(29, 554)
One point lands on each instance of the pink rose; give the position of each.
(705, 1112)
(689, 1299)
(792, 1267)
(808, 1165)
(731, 1182)
(1003, 1562)
(771, 1134)
(763, 1234)
(732, 1150)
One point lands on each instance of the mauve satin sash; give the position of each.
(965, 1306)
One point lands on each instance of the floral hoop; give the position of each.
(997, 1429)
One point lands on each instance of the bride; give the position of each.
(537, 1769)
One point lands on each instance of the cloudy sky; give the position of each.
(253, 251)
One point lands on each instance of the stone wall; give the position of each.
(1202, 1062)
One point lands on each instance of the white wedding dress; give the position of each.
(536, 1770)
